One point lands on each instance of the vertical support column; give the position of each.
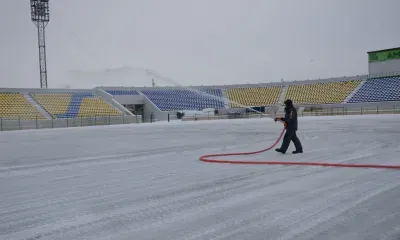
(42, 54)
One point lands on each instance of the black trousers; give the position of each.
(291, 136)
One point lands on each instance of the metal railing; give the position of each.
(328, 111)
(362, 110)
(21, 122)
(384, 74)
(224, 116)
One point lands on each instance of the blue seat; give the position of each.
(183, 99)
(378, 90)
(122, 92)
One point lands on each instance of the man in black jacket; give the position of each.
(290, 122)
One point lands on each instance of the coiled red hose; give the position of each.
(209, 158)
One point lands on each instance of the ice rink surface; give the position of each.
(145, 181)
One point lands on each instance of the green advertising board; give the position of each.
(384, 55)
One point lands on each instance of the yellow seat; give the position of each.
(321, 93)
(91, 107)
(16, 106)
(58, 103)
(253, 97)
(53, 103)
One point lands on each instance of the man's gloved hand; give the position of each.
(285, 124)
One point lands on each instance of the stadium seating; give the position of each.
(96, 107)
(72, 105)
(54, 103)
(321, 93)
(254, 97)
(182, 99)
(378, 90)
(122, 92)
(15, 106)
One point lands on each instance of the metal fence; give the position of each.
(361, 110)
(332, 111)
(225, 116)
(22, 124)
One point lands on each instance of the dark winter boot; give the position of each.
(279, 150)
(297, 151)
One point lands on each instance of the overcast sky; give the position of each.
(195, 42)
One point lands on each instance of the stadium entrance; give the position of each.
(136, 109)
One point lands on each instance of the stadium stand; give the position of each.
(321, 93)
(182, 99)
(79, 103)
(96, 107)
(254, 97)
(72, 105)
(15, 106)
(55, 104)
(122, 92)
(378, 90)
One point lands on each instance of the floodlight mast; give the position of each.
(41, 17)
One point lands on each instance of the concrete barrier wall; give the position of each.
(10, 125)
(129, 99)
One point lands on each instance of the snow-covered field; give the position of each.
(145, 182)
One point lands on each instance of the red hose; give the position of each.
(206, 158)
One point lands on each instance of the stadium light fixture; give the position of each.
(40, 16)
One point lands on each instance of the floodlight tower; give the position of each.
(40, 16)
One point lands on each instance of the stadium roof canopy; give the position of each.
(384, 50)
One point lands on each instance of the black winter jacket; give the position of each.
(291, 118)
